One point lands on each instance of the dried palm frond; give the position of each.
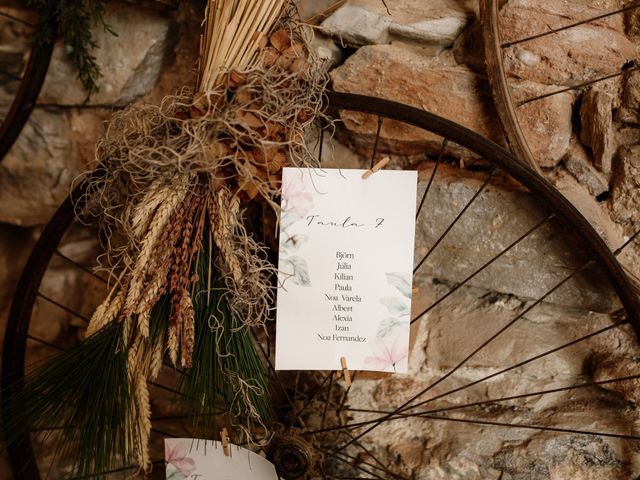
(234, 32)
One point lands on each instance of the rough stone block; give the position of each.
(436, 23)
(454, 92)
(314, 8)
(628, 135)
(394, 73)
(625, 198)
(629, 110)
(562, 58)
(546, 123)
(588, 206)
(327, 50)
(36, 173)
(596, 119)
(632, 23)
(448, 335)
(496, 219)
(578, 163)
(15, 44)
(130, 62)
(432, 32)
(468, 48)
(353, 25)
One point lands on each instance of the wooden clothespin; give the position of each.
(378, 166)
(224, 439)
(345, 371)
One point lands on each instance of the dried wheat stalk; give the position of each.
(160, 220)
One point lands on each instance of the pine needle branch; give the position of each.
(85, 392)
(75, 18)
(228, 375)
(83, 400)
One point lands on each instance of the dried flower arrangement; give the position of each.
(188, 280)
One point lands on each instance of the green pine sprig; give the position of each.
(74, 18)
(86, 394)
(223, 348)
(84, 398)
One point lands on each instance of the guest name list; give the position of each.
(342, 301)
(342, 237)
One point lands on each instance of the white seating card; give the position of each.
(345, 269)
(197, 459)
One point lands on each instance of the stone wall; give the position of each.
(428, 54)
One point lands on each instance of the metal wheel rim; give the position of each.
(22, 455)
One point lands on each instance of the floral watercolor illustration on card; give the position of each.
(390, 346)
(296, 204)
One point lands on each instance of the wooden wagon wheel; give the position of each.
(495, 47)
(326, 431)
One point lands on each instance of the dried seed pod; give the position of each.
(250, 189)
(296, 50)
(274, 181)
(299, 65)
(216, 149)
(283, 62)
(272, 158)
(276, 161)
(243, 95)
(269, 57)
(295, 136)
(257, 106)
(196, 112)
(274, 130)
(259, 155)
(246, 181)
(261, 174)
(236, 79)
(280, 40)
(248, 168)
(304, 116)
(248, 119)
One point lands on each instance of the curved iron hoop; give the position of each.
(572, 219)
(14, 347)
(28, 92)
(498, 83)
(15, 341)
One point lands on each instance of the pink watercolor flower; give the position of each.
(175, 454)
(387, 355)
(295, 198)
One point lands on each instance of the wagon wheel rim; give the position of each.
(22, 454)
(28, 91)
(506, 107)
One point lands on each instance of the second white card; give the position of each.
(345, 269)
